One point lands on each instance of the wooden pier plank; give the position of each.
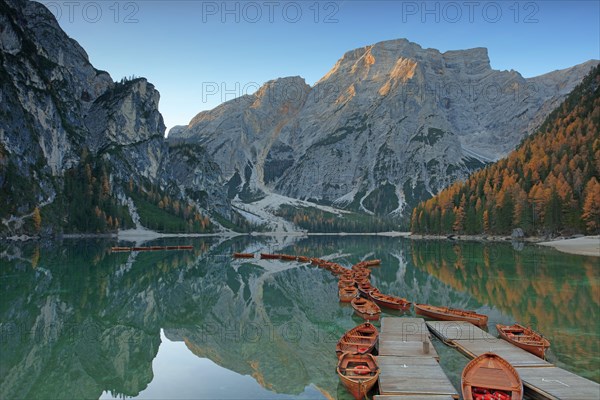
(514, 355)
(406, 349)
(557, 383)
(541, 379)
(457, 330)
(409, 327)
(413, 376)
(403, 337)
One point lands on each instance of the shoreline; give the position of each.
(585, 245)
(581, 245)
(480, 238)
(133, 235)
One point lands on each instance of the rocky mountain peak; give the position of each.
(398, 59)
(389, 124)
(59, 112)
(285, 92)
(475, 60)
(125, 115)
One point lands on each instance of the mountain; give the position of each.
(389, 125)
(549, 184)
(82, 153)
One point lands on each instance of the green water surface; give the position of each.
(77, 321)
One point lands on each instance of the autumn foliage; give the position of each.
(549, 184)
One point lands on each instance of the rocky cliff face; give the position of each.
(390, 124)
(56, 106)
(243, 134)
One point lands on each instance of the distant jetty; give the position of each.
(150, 248)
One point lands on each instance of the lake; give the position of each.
(78, 321)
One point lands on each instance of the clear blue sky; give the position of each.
(189, 48)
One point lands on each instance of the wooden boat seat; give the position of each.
(364, 343)
(495, 378)
(359, 376)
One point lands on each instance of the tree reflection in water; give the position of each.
(77, 321)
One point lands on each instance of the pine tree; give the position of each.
(591, 206)
(460, 214)
(552, 214)
(413, 221)
(471, 226)
(546, 183)
(486, 221)
(37, 219)
(105, 186)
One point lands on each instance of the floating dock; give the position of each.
(409, 363)
(541, 379)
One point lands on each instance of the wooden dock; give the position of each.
(409, 362)
(149, 248)
(541, 379)
(556, 383)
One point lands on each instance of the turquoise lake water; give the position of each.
(77, 321)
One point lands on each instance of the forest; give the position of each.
(313, 219)
(91, 202)
(549, 185)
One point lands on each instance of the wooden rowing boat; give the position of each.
(152, 248)
(324, 264)
(358, 373)
(359, 277)
(336, 269)
(451, 314)
(365, 287)
(117, 248)
(343, 282)
(243, 255)
(372, 263)
(288, 257)
(359, 340)
(141, 248)
(366, 309)
(360, 267)
(179, 247)
(387, 301)
(489, 376)
(303, 259)
(270, 256)
(362, 275)
(346, 294)
(525, 338)
(347, 274)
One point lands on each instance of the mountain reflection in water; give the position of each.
(80, 322)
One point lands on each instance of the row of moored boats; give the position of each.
(486, 377)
